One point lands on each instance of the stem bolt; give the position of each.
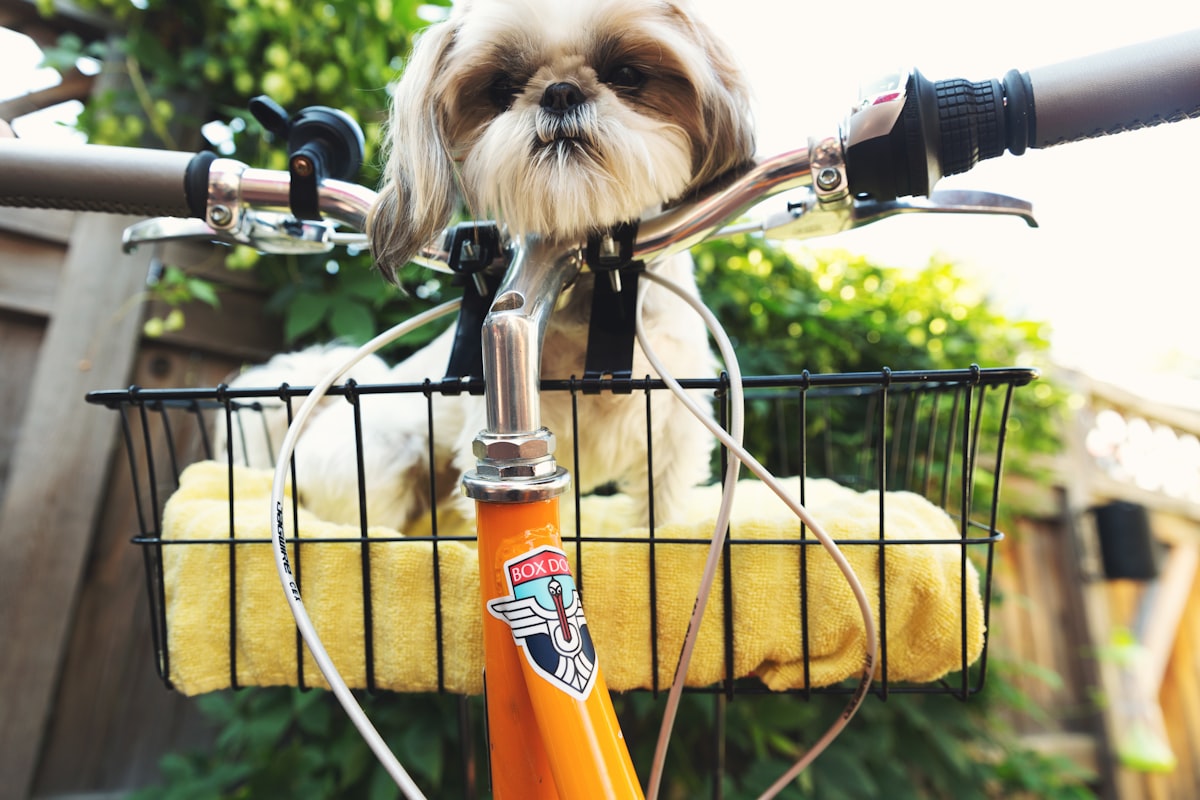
(220, 216)
(828, 178)
(303, 166)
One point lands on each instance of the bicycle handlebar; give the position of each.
(118, 180)
(933, 129)
(1125, 89)
(896, 144)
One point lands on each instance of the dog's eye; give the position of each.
(502, 91)
(624, 77)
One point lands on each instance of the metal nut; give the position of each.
(520, 471)
(511, 448)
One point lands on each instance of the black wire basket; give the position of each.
(937, 434)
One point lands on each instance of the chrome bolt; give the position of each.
(303, 166)
(520, 471)
(614, 280)
(220, 216)
(828, 178)
(608, 246)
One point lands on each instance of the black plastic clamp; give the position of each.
(322, 143)
(473, 247)
(612, 329)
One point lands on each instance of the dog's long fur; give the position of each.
(558, 119)
(467, 119)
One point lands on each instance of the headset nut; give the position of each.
(514, 448)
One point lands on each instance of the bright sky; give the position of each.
(1114, 266)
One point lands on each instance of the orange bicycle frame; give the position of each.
(552, 729)
(546, 741)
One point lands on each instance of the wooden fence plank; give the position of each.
(47, 225)
(114, 719)
(59, 467)
(29, 274)
(18, 357)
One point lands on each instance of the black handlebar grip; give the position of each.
(946, 127)
(971, 125)
(195, 183)
(961, 123)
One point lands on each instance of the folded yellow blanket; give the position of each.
(924, 601)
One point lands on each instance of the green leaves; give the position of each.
(287, 743)
(789, 309)
(194, 63)
(348, 319)
(175, 288)
(321, 300)
(907, 748)
(304, 313)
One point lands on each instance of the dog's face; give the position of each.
(557, 117)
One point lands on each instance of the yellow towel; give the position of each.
(924, 600)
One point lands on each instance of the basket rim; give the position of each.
(832, 382)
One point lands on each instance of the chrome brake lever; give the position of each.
(270, 232)
(811, 218)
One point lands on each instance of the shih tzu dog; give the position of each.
(559, 118)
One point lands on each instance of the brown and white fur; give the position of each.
(557, 118)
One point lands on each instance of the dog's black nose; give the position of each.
(559, 98)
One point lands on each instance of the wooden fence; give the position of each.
(80, 706)
(1060, 613)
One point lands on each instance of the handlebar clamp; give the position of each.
(611, 329)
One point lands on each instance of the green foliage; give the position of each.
(908, 747)
(285, 743)
(837, 312)
(190, 64)
(790, 309)
(338, 298)
(175, 287)
(277, 743)
(341, 53)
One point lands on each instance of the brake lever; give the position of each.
(269, 232)
(810, 218)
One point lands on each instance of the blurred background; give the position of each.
(1113, 268)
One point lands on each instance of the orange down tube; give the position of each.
(551, 725)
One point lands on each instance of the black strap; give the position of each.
(472, 249)
(466, 355)
(612, 330)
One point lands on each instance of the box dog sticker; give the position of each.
(546, 616)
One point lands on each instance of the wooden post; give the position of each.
(1168, 609)
(57, 475)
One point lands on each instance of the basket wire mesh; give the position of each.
(940, 434)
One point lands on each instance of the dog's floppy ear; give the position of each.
(419, 186)
(729, 124)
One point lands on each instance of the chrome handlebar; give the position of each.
(250, 206)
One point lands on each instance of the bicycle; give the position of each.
(854, 179)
